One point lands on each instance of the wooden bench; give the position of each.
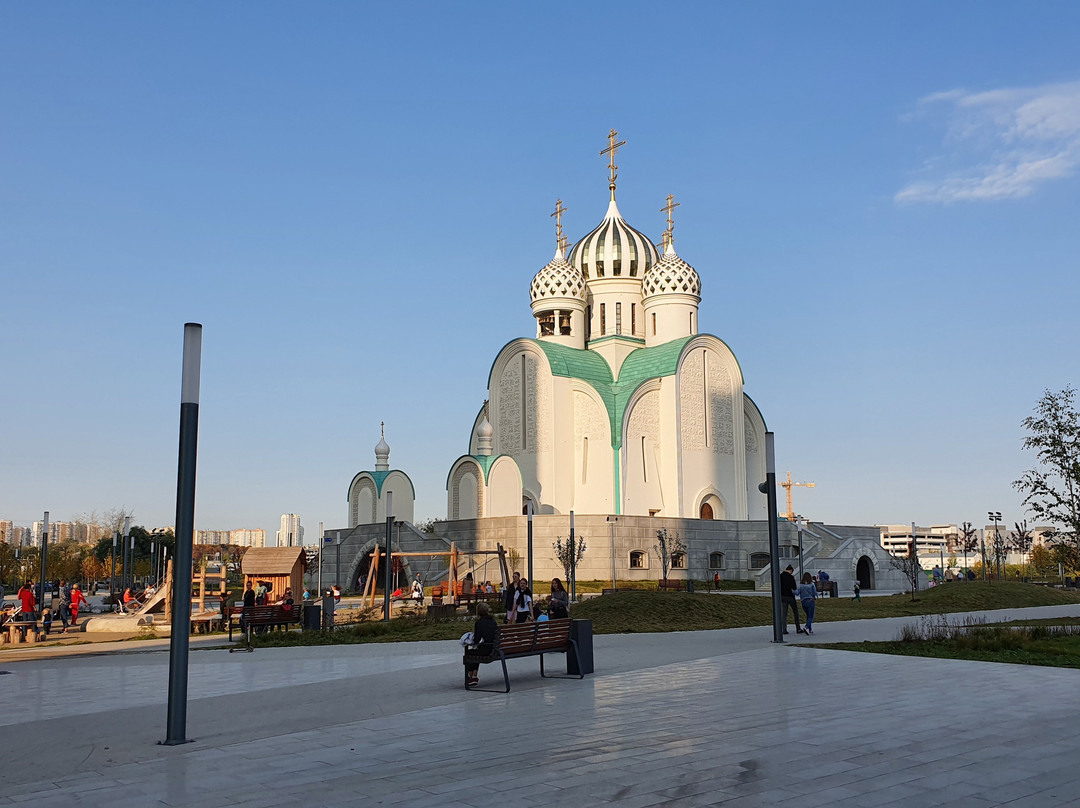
(676, 586)
(827, 586)
(263, 617)
(524, 640)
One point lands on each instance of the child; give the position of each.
(857, 599)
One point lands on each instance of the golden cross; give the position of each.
(562, 244)
(559, 211)
(611, 151)
(669, 208)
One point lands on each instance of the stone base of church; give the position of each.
(737, 550)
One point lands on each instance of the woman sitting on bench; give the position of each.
(483, 639)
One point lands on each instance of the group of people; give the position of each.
(68, 602)
(792, 593)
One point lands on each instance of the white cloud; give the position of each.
(1000, 144)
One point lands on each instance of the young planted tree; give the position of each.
(1021, 540)
(1052, 489)
(999, 549)
(667, 544)
(569, 556)
(968, 541)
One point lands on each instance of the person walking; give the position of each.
(78, 600)
(716, 581)
(855, 588)
(788, 590)
(509, 593)
(523, 602)
(63, 607)
(807, 596)
(559, 605)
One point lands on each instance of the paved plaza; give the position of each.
(686, 719)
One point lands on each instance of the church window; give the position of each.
(654, 323)
(603, 323)
(633, 319)
(633, 268)
(599, 269)
(758, 561)
(588, 323)
(616, 266)
(678, 561)
(638, 560)
(564, 323)
(547, 323)
(644, 469)
(584, 460)
(618, 318)
(716, 561)
(691, 322)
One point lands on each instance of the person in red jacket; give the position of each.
(78, 599)
(27, 602)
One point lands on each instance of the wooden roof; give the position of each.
(272, 560)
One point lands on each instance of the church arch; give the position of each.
(362, 501)
(640, 466)
(864, 572)
(465, 490)
(711, 501)
(360, 564)
(504, 488)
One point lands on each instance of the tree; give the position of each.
(1041, 562)
(968, 540)
(564, 555)
(910, 566)
(1021, 539)
(1052, 489)
(999, 549)
(666, 546)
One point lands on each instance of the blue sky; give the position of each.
(882, 201)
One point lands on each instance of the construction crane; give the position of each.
(788, 485)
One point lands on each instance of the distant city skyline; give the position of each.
(881, 204)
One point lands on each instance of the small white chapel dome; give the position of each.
(559, 278)
(671, 275)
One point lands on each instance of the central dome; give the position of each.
(614, 249)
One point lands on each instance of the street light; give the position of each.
(798, 525)
(612, 520)
(995, 517)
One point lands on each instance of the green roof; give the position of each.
(640, 366)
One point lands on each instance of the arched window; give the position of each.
(758, 561)
(638, 560)
(716, 561)
(678, 561)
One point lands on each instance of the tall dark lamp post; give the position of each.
(176, 722)
(995, 517)
(112, 575)
(44, 557)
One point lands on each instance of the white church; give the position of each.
(619, 404)
(623, 412)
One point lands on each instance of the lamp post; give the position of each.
(798, 525)
(573, 563)
(611, 521)
(768, 488)
(44, 557)
(995, 517)
(529, 538)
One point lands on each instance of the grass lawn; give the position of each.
(1055, 652)
(639, 611)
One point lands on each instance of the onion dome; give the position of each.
(382, 452)
(484, 434)
(671, 275)
(614, 249)
(559, 278)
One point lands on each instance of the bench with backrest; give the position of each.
(263, 617)
(672, 584)
(475, 596)
(827, 586)
(524, 640)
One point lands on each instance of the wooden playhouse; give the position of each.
(277, 567)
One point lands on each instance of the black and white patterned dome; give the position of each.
(559, 278)
(614, 249)
(671, 275)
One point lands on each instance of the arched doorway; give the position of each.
(706, 511)
(864, 572)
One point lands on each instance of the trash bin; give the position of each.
(311, 616)
(690, 585)
(582, 661)
(328, 612)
